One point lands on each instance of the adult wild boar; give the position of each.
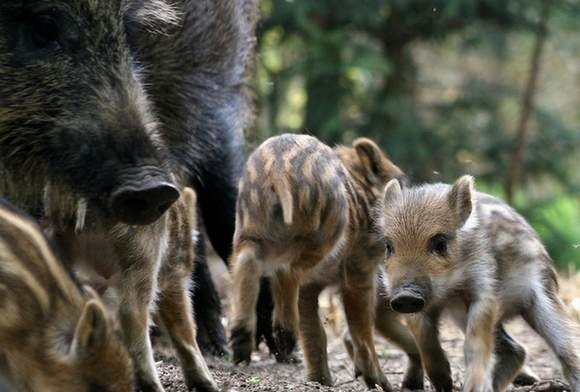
(108, 108)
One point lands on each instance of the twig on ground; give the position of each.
(545, 386)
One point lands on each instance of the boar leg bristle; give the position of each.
(313, 337)
(547, 316)
(510, 357)
(359, 306)
(246, 275)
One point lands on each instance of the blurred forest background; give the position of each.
(447, 87)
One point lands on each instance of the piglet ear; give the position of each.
(91, 330)
(462, 198)
(371, 158)
(392, 192)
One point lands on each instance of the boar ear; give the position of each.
(371, 157)
(392, 192)
(461, 198)
(92, 329)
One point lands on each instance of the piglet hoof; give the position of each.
(413, 380)
(206, 386)
(290, 359)
(212, 343)
(477, 388)
(524, 379)
(322, 379)
(149, 386)
(381, 383)
(241, 342)
(442, 383)
(199, 379)
(286, 343)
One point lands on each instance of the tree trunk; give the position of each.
(517, 163)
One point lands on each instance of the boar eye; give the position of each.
(389, 248)
(438, 244)
(44, 31)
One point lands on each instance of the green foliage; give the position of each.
(437, 83)
(557, 223)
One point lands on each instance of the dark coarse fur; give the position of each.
(189, 61)
(198, 86)
(99, 94)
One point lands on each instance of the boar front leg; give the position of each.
(479, 345)
(425, 328)
(359, 306)
(139, 252)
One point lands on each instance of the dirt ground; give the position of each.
(264, 374)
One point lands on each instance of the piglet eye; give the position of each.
(438, 244)
(389, 248)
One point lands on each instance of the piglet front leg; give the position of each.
(479, 345)
(139, 251)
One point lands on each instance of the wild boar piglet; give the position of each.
(98, 265)
(54, 336)
(304, 216)
(450, 249)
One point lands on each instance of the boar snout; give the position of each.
(143, 204)
(408, 299)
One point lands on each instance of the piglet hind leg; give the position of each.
(312, 336)
(246, 275)
(359, 309)
(510, 356)
(547, 316)
(285, 286)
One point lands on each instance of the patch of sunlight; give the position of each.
(292, 114)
